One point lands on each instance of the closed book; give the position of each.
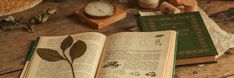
(194, 42)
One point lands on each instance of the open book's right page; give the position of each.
(136, 55)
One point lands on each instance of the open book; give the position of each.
(94, 55)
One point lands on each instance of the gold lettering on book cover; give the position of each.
(152, 24)
(183, 30)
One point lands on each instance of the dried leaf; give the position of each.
(49, 55)
(78, 49)
(67, 42)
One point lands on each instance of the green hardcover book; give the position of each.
(194, 42)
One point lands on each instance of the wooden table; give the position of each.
(15, 44)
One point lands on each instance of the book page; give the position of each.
(136, 55)
(84, 66)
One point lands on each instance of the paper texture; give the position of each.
(221, 39)
(84, 67)
(136, 55)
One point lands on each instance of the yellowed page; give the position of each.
(136, 55)
(84, 66)
(170, 71)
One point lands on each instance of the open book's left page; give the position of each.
(75, 56)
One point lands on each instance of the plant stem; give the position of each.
(70, 63)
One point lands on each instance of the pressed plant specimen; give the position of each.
(77, 50)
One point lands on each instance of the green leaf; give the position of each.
(49, 54)
(67, 42)
(78, 49)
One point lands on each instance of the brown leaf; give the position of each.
(49, 54)
(78, 49)
(67, 42)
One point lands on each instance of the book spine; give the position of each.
(34, 45)
(139, 24)
(29, 56)
(174, 65)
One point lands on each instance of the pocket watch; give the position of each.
(99, 9)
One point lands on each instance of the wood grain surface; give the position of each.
(15, 44)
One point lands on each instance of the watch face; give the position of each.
(99, 9)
